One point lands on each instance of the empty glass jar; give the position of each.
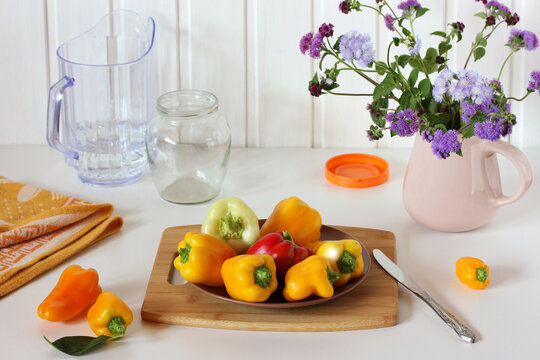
(188, 146)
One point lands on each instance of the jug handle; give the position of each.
(56, 95)
(519, 160)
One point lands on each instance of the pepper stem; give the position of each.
(332, 275)
(231, 226)
(184, 253)
(346, 262)
(117, 326)
(262, 275)
(481, 274)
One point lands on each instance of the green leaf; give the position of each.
(468, 132)
(380, 67)
(441, 68)
(405, 32)
(444, 47)
(425, 87)
(421, 11)
(405, 99)
(479, 53)
(439, 118)
(481, 15)
(336, 45)
(433, 106)
(396, 41)
(480, 40)
(79, 345)
(380, 121)
(403, 60)
(413, 77)
(439, 33)
(384, 88)
(431, 54)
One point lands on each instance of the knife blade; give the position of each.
(393, 270)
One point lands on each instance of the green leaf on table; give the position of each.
(439, 33)
(481, 15)
(384, 88)
(479, 53)
(79, 345)
(425, 87)
(413, 77)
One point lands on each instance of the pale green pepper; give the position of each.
(232, 221)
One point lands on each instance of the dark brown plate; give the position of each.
(277, 300)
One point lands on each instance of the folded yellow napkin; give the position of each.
(39, 229)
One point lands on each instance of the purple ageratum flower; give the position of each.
(467, 111)
(522, 39)
(443, 144)
(440, 86)
(316, 43)
(389, 22)
(357, 47)
(498, 6)
(404, 123)
(492, 129)
(326, 30)
(344, 7)
(413, 50)
(534, 84)
(427, 135)
(305, 42)
(409, 5)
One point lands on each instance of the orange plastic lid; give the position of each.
(357, 170)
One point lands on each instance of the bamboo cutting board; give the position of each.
(373, 304)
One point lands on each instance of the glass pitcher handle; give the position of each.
(56, 95)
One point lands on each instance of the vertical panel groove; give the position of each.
(246, 76)
(47, 43)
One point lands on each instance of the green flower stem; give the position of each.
(345, 94)
(475, 44)
(395, 17)
(505, 61)
(520, 99)
(352, 69)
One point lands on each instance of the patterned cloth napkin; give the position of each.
(39, 229)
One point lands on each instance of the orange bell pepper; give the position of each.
(76, 289)
(472, 272)
(200, 257)
(296, 217)
(109, 316)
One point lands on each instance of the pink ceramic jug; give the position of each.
(460, 193)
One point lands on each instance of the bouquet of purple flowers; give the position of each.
(444, 105)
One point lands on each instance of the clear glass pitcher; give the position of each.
(99, 109)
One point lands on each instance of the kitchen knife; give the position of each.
(391, 268)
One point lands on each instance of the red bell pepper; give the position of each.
(281, 246)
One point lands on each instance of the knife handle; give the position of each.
(464, 332)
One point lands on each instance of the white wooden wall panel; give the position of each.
(246, 52)
(527, 131)
(216, 50)
(277, 86)
(23, 73)
(343, 120)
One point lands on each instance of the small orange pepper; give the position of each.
(472, 272)
(76, 289)
(109, 316)
(295, 216)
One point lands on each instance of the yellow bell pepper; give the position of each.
(472, 272)
(109, 316)
(312, 276)
(200, 257)
(296, 217)
(344, 256)
(250, 278)
(233, 222)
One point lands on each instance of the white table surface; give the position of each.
(505, 315)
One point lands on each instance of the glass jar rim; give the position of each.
(186, 103)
